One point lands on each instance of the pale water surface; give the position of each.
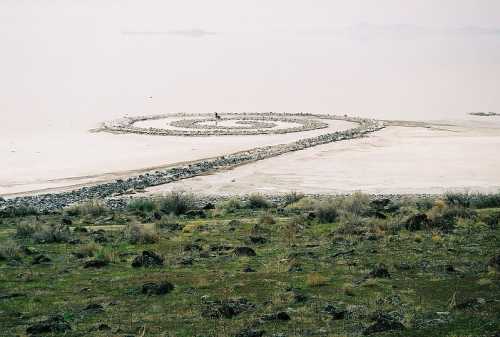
(65, 66)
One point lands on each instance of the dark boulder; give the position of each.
(383, 322)
(494, 262)
(54, 324)
(93, 309)
(257, 239)
(248, 269)
(226, 308)
(148, 259)
(277, 316)
(208, 206)
(248, 332)
(40, 258)
(191, 247)
(380, 271)
(337, 312)
(470, 304)
(160, 288)
(244, 251)
(95, 264)
(196, 213)
(66, 221)
(417, 222)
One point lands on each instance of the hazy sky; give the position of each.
(94, 60)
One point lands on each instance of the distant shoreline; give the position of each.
(484, 114)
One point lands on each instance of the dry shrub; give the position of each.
(230, 206)
(52, 234)
(326, 211)
(138, 234)
(92, 208)
(176, 202)
(316, 280)
(292, 197)
(303, 204)
(9, 250)
(257, 200)
(266, 219)
(87, 250)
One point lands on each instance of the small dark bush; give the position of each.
(257, 200)
(292, 197)
(176, 202)
(18, 211)
(141, 205)
(326, 211)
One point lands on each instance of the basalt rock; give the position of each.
(244, 251)
(148, 259)
(160, 288)
(53, 324)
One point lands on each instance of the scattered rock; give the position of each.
(55, 323)
(148, 259)
(337, 312)
(257, 239)
(244, 251)
(186, 261)
(96, 263)
(12, 295)
(196, 213)
(226, 308)
(494, 262)
(470, 304)
(161, 288)
(29, 250)
(380, 271)
(101, 327)
(248, 332)
(191, 247)
(278, 316)
(92, 309)
(40, 258)
(383, 322)
(208, 206)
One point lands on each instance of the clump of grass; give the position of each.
(292, 227)
(10, 250)
(25, 230)
(326, 211)
(257, 200)
(93, 208)
(303, 204)
(292, 197)
(316, 280)
(444, 217)
(137, 234)
(52, 234)
(18, 211)
(87, 250)
(141, 205)
(176, 202)
(230, 206)
(266, 219)
(351, 224)
(169, 222)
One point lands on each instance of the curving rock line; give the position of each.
(54, 201)
(304, 121)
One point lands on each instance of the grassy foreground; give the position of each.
(344, 266)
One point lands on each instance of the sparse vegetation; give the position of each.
(256, 201)
(176, 202)
(338, 266)
(93, 208)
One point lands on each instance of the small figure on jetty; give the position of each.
(217, 118)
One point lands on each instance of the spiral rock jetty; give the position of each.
(54, 201)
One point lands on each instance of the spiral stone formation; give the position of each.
(255, 123)
(182, 124)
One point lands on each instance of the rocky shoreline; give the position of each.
(54, 201)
